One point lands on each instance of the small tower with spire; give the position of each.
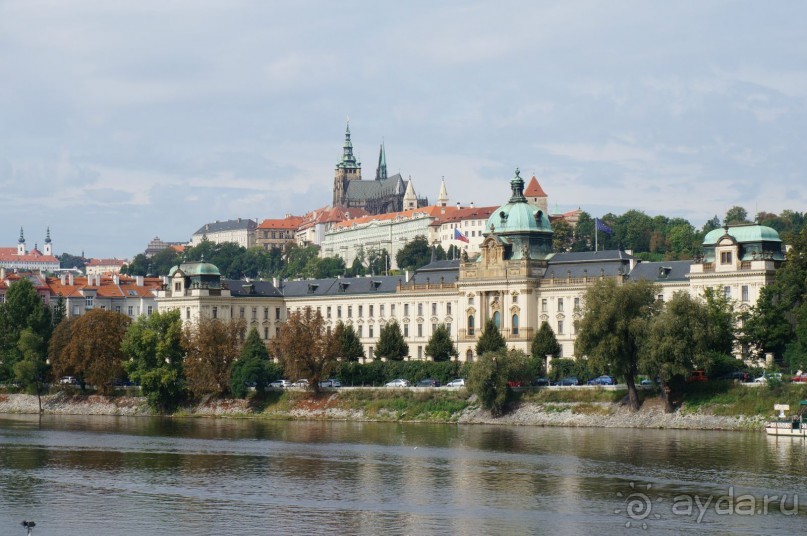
(48, 247)
(535, 195)
(21, 244)
(442, 197)
(410, 200)
(381, 170)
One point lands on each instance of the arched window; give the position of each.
(497, 320)
(469, 355)
(470, 324)
(515, 324)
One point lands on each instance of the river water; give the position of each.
(146, 476)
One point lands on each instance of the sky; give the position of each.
(122, 121)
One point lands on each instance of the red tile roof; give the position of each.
(534, 189)
(107, 288)
(10, 255)
(105, 262)
(433, 211)
(289, 222)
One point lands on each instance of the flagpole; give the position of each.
(596, 246)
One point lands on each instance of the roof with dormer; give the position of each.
(287, 223)
(742, 234)
(229, 225)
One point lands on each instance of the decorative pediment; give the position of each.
(449, 319)
(405, 320)
(577, 316)
(560, 316)
(434, 320)
(419, 320)
(471, 310)
(544, 317)
(515, 309)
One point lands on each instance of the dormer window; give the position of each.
(725, 257)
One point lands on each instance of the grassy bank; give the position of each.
(727, 399)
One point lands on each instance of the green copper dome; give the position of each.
(195, 268)
(518, 216)
(743, 234)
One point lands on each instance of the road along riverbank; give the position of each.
(598, 408)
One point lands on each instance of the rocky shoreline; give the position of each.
(594, 414)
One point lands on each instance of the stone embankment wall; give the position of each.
(591, 414)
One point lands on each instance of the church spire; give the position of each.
(410, 200)
(48, 247)
(442, 197)
(21, 244)
(381, 170)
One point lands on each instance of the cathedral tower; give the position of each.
(348, 168)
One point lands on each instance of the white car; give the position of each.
(459, 382)
(280, 384)
(68, 380)
(330, 384)
(400, 382)
(302, 384)
(764, 377)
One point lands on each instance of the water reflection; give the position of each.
(194, 476)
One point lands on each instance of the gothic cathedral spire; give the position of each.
(381, 170)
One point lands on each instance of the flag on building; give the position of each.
(459, 236)
(601, 226)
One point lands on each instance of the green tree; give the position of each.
(615, 321)
(252, 366)
(378, 261)
(440, 346)
(490, 340)
(544, 343)
(391, 344)
(153, 350)
(306, 348)
(22, 309)
(67, 261)
(562, 236)
(30, 371)
(584, 233)
(211, 346)
(350, 347)
(678, 341)
(711, 225)
(489, 375)
(415, 254)
(736, 215)
(91, 349)
(159, 264)
(795, 353)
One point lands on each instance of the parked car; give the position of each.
(646, 382)
(330, 383)
(769, 376)
(459, 382)
(428, 382)
(400, 382)
(799, 378)
(569, 380)
(602, 380)
(541, 382)
(737, 375)
(280, 384)
(515, 383)
(697, 376)
(301, 383)
(68, 380)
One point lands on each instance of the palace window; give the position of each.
(727, 292)
(370, 331)
(406, 330)
(328, 312)
(560, 327)
(338, 311)
(543, 305)
(254, 313)
(266, 313)
(420, 309)
(420, 330)
(434, 309)
(515, 324)
(392, 309)
(187, 312)
(361, 311)
(560, 305)
(470, 324)
(406, 309)
(725, 257)
(371, 311)
(277, 313)
(577, 304)
(358, 331)
(215, 312)
(448, 308)
(89, 301)
(745, 293)
(381, 310)
(350, 311)
(497, 320)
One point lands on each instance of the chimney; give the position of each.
(62, 278)
(274, 282)
(406, 275)
(472, 204)
(70, 278)
(2, 273)
(116, 279)
(139, 280)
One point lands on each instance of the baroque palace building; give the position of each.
(516, 281)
